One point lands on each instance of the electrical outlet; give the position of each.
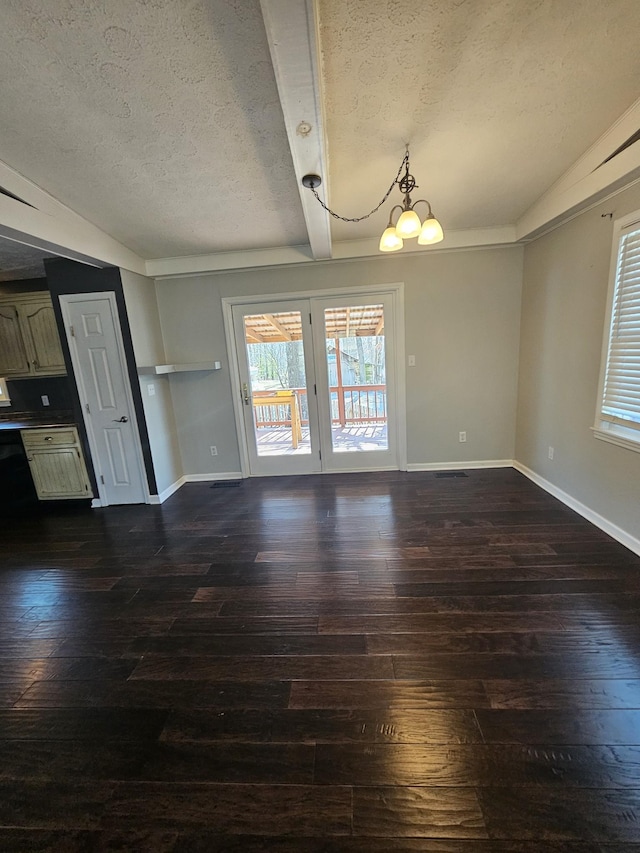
(551, 452)
(45, 400)
(214, 450)
(462, 436)
(151, 389)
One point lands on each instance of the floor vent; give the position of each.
(448, 474)
(226, 484)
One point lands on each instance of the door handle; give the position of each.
(123, 420)
(245, 393)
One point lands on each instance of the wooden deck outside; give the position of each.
(276, 441)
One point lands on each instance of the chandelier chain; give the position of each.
(405, 162)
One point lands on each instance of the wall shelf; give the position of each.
(160, 369)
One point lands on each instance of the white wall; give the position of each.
(566, 276)
(146, 334)
(462, 314)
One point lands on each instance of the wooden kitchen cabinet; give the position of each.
(29, 339)
(57, 463)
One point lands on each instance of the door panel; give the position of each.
(101, 374)
(275, 362)
(357, 400)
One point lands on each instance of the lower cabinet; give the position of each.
(57, 463)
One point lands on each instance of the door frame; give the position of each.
(395, 290)
(66, 299)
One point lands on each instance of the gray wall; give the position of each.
(566, 276)
(462, 313)
(146, 335)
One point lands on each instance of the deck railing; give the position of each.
(350, 404)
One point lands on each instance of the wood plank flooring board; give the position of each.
(257, 625)
(267, 668)
(487, 643)
(377, 662)
(287, 810)
(251, 645)
(417, 812)
(580, 694)
(479, 765)
(209, 842)
(466, 694)
(438, 623)
(560, 727)
(85, 841)
(479, 665)
(325, 726)
(539, 814)
(152, 694)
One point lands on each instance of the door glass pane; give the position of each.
(357, 378)
(278, 385)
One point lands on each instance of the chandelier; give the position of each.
(408, 224)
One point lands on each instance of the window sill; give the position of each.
(622, 436)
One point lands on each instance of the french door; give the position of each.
(317, 384)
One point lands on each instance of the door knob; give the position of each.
(123, 420)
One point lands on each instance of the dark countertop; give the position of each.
(32, 420)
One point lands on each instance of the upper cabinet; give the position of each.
(29, 340)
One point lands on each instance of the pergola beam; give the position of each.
(271, 320)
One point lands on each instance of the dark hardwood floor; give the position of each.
(337, 664)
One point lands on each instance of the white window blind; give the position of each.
(621, 396)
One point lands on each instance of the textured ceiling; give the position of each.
(157, 120)
(18, 261)
(160, 122)
(496, 97)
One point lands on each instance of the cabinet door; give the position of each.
(58, 472)
(41, 336)
(13, 355)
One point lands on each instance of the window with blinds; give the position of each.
(620, 397)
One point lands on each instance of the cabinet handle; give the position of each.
(35, 363)
(49, 438)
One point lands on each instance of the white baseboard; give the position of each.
(460, 466)
(161, 497)
(600, 521)
(96, 503)
(212, 478)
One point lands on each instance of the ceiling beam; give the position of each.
(166, 268)
(292, 34)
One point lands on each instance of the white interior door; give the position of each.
(274, 351)
(99, 365)
(356, 363)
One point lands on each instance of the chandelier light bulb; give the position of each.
(408, 225)
(431, 231)
(390, 242)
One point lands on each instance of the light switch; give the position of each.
(45, 400)
(412, 361)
